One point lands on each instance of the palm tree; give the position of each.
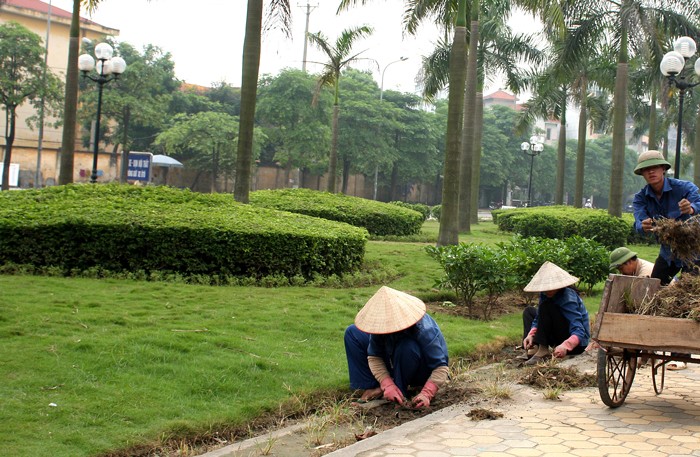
(635, 25)
(338, 58)
(70, 109)
(468, 133)
(280, 9)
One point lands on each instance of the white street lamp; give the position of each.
(381, 98)
(672, 65)
(533, 148)
(108, 69)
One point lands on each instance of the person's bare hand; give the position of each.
(528, 341)
(685, 206)
(648, 224)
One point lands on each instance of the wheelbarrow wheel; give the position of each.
(616, 369)
(658, 374)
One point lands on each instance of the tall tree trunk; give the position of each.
(333, 160)
(393, 193)
(476, 166)
(561, 152)
(11, 122)
(449, 215)
(70, 107)
(617, 167)
(581, 146)
(346, 175)
(467, 158)
(249, 90)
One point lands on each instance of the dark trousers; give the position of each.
(405, 366)
(665, 272)
(552, 326)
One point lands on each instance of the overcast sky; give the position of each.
(205, 37)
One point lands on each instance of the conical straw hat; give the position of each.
(550, 277)
(389, 311)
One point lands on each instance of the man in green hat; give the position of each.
(627, 263)
(663, 197)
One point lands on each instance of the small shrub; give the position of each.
(609, 231)
(470, 268)
(378, 218)
(542, 225)
(420, 207)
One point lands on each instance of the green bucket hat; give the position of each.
(650, 158)
(620, 256)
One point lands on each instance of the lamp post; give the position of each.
(108, 69)
(381, 99)
(672, 65)
(533, 148)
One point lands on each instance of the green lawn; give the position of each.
(91, 366)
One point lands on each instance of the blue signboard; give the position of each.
(140, 166)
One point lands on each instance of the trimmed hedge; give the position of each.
(420, 207)
(127, 228)
(562, 222)
(378, 218)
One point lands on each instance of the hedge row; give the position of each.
(564, 221)
(128, 228)
(378, 218)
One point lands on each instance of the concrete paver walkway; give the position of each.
(579, 424)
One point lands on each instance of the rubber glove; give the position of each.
(422, 400)
(391, 392)
(568, 345)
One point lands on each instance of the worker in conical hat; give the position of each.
(394, 344)
(560, 320)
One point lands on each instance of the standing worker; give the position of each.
(394, 344)
(663, 197)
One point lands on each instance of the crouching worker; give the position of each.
(394, 344)
(561, 319)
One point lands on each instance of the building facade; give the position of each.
(53, 26)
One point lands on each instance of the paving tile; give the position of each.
(579, 425)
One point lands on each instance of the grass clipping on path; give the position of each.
(683, 237)
(681, 300)
(549, 375)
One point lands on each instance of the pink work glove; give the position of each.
(391, 392)
(530, 338)
(422, 400)
(568, 345)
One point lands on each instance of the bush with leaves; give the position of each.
(529, 253)
(588, 261)
(471, 268)
(381, 219)
(474, 268)
(459, 263)
(420, 207)
(565, 221)
(494, 275)
(120, 228)
(612, 232)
